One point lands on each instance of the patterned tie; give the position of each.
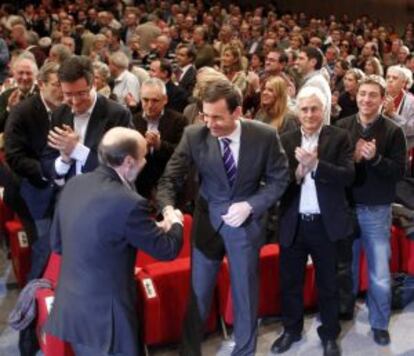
(228, 160)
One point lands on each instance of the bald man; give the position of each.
(97, 236)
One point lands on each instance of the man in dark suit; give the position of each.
(162, 128)
(237, 186)
(313, 215)
(177, 96)
(25, 138)
(185, 74)
(97, 236)
(79, 124)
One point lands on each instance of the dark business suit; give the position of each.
(25, 137)
(177, 97)
(188, 80)
(262, 176)
(299, 237)
(105, 115)
(97, 236)
(171, 126)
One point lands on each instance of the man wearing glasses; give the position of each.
(79, 124)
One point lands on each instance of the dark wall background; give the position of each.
(395, 12)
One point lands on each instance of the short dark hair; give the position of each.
(114, 155)
(75, 68)
(223, 89)
(283, 57)
(165, 66)
(314, 53)
(191, 51)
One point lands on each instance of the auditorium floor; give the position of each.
(355, 339)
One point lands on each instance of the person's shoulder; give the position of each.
(346, 122)
(260, 127)
(173, 115)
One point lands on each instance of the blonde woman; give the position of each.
(274, 106)
(205, 77)
(231, 66)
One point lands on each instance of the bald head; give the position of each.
(120, 142)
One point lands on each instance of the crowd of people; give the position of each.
(194, 96)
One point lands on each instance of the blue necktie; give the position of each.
(228, 160)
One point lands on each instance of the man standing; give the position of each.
(97, 236)
(162, 129)
(79, 124)
(313, 215)
(379, 155)
(185, 73)
(237, 186)
(308, 64)
(25, 138)
(126, 84)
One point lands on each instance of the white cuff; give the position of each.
(61, 167)
(80, 153)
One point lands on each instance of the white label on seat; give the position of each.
(309, 261)
(22, 237)
(149, 288)
(49, 303)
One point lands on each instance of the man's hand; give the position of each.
(358, 153)
(369, 149)
(388, 107)
(308, 159)
(172, 216)
(63, 139)
(153, 139)
(14, 99)
(237, 214)
(301, 172)
(130, 100)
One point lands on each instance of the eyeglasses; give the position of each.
(79, 95)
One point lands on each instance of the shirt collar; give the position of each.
(48, 109)
(121, 77)
(313, 136)
(235, 135)
(88, 112)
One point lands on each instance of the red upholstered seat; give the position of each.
(406, 251)
(19, 250)
(144, 259)
(163, 289)
(269, 287)
(49, 344)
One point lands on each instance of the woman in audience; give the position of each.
(205, 76)
(347, 100)
(101, 73)
(231, 66)
(274, 106)
(373, 66)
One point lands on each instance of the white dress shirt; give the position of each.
(81, 152)
(235, 142)
(308, 196)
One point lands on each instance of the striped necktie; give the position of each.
(228, 160)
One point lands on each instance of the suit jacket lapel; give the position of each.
(245, 150)
(216, 159)
(96, 122)
(323, 141)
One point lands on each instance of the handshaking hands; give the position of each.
(171, 216)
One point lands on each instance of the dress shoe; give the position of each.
(330, 348)
(284, 342)
(381, 337)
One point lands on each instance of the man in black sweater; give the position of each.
(379, 155)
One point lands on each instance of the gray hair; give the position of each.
(120, 60)
(102, 69)
(155, 82)
(61, 51)
(403, 72)
(311, 92)
(26, 56)
(46, 70)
